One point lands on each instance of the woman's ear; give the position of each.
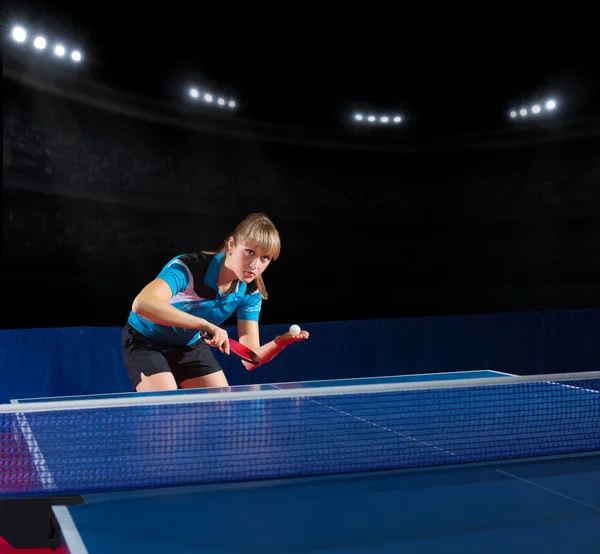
(230, 245)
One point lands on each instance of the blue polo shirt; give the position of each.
(193, 282)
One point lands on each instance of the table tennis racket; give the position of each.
(245, 353)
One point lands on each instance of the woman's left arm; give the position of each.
(248, 335)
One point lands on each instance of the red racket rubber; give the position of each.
(243, 352)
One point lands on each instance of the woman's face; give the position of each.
(245, 262)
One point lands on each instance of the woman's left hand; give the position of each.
(288, 338)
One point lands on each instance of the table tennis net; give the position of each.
(90, 446)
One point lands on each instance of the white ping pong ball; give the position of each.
(294, 330)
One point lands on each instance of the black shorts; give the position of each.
(143, 355)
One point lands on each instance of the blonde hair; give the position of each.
(258, 232)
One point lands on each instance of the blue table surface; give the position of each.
(448, 376)
(544, 505)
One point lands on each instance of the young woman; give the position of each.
(162, 346)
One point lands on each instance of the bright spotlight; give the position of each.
(513, 114)
(40, 43)
(208, 98)
(19, 34)
(385, 119)
(523, 112)
(76, 56)
(221, 102)
(194, 93)
(59, 50)
(536, 109)
(550, 105)
(358, 117)
(371, 118)
(231, 104)
(397, 119)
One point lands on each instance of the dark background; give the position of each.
(109, 170)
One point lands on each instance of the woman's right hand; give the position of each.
(219, 338)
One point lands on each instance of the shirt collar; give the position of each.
(212, 275)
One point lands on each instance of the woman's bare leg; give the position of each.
(156, 382)
(216, 379)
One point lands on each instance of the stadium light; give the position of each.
(210, 98)
(536, 110)
(40, 43)
(19, 34)
(373, 119)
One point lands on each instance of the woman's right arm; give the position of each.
(152, 303)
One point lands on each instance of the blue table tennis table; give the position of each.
(549, 505)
